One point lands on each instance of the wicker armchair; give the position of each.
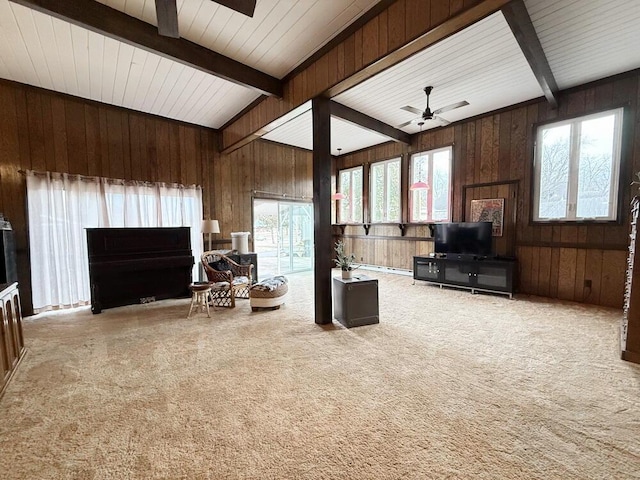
(228, 279)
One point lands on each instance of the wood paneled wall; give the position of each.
(400, 23)
(554, 260)
(260, 169)
(45, 131)
(42, 130)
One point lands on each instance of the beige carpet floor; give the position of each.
(449, 385)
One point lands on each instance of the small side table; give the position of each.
(355, 301)
(200, 297)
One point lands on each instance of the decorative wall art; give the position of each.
(489, 210)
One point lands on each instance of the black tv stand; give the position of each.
(464, 256)
(473, 272)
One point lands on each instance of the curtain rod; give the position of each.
(110, 180)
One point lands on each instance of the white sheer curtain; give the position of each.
(61, 206)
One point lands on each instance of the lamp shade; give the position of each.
(338, 196)
(210, 226)
(419, 186)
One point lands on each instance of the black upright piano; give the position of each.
(138, 265)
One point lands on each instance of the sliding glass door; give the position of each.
(283, 236)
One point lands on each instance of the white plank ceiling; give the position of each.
(584, 40)
(344, 135)
(587, 40)
(482, 64)
(281, 34)
(46, 52)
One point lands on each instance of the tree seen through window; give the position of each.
(577, 166)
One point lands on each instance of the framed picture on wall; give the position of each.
(489, 210)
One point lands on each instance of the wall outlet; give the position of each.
(587, 284)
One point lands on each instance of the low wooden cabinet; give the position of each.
(484, 275)
(11, 338)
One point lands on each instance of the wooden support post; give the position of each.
(322, 209)
(366, 184)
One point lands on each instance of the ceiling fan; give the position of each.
(167, 13)
(428, 114)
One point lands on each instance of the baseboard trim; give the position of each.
(397, 271)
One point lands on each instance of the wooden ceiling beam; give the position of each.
(365, 121)
(112, 23)
(520, 23)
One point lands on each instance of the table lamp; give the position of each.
(210, 226)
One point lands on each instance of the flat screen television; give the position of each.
(469, 238)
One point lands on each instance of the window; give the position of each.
(432, 204)
(351, 187)
(385, 191)
(577, 165)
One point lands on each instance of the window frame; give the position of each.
(386, 162)
(349, 195)
(616, 185)
(429, 181)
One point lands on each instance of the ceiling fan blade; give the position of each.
(412, 110)
(246, 7)
(406, 123)
(167, 14)
(442, 120)
(451, 107)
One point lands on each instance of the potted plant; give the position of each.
(346, 262)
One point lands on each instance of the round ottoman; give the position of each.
(268, 293)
